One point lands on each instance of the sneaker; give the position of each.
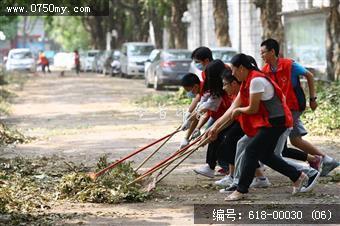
(225, 181)
(328, 167)
(311, 183)
(317, 163)
(205, 171)
(222, 172)
(232, 188)
(235, 196)
(260, 182)
(299, 183)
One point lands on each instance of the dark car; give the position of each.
(168, 68)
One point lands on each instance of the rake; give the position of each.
(94, 175)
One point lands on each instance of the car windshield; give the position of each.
(177, 55)
(223, 55)
(140, 50)
(21, 55)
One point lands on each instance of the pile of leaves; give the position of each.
(325, 120)
(28, 187)
(111, 187)
(10, 136)
(33, 185)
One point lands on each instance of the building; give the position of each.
(245, 27)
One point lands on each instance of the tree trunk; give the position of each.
(158, 25)
(97, 32)
(271, 20)
(333, 42)
(178, 30)
(221, 18)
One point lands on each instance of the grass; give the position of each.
(325, 120)
(178, 98)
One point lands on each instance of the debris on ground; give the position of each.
(9, 136)
(29, 187)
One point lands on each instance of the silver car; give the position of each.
(133, 56)
(168, 68)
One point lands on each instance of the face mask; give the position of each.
(191, 94)
(199, 66)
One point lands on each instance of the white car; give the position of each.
(221, 53)
(86, 61)
(64, 60)
(20, 59)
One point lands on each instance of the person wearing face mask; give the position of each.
(214, 107)
(202, 57)
(264, 117)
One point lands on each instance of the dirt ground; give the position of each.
(82, 118)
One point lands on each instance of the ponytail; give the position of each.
(244, 60)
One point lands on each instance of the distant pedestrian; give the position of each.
(43, 62)
(77, 61)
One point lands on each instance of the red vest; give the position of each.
(225, 104)
(250, 124)
(283, 78)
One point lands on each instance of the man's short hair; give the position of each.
(271, 44)
(190, 80)
(202, 53)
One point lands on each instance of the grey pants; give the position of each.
(241, 147)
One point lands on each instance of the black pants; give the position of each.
(294, 153)
(261, 148)
(77, 68)
(227, 149)
(212, 152)
(223, 149)
(43, 66)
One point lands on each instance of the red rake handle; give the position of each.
(132, 154)
(156, 167)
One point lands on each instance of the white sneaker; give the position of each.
(260, 183)
(205, 171)
(225, 181)
(229, 189)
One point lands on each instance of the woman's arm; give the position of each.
(252, 108)
(214, 130)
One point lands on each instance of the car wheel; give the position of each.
(156, 84)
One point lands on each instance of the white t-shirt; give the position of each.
(262, 85)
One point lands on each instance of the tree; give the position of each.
(70, 37)
(139, 22)
(221, 22)
(156, 11)
(271, 19)
(178, 31)
(8, 25)
(333, 42)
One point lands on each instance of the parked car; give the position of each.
(64, 60)
(133, 57)
(222, 53)
(104, 62)
(151, 58)
(20, 59)
(95, 63)
(87, 61)
(168, 68)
